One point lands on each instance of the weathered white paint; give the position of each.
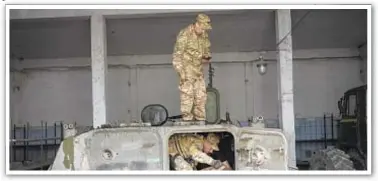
(285, 80)
(56, 95)
(99, 69)
(118, 95)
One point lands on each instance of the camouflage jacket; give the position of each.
(188, 52)
(189, 146)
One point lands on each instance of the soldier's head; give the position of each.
(202, 23)
(211, 143)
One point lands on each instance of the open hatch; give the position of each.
(226, 152)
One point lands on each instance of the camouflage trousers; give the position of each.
(180, 164)
(193, 98)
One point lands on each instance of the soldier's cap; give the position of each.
(214, 140)
(204, 20)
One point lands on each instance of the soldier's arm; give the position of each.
(207, 45)
(200, 156)
(178, 51)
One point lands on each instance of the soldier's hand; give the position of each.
(217, 164)
(205, 61)
(206, 58)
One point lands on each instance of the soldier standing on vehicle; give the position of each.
(187, 150)
(191, 51)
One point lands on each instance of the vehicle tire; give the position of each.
(330, 159)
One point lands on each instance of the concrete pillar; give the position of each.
(99, 69)
(285, 80)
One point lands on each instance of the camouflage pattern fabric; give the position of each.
(204, 20)
(181, 164)
(189, 146)
(188, 54)
(193, 98)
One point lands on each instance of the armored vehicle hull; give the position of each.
(146, 148)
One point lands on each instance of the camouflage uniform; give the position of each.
(186, 150)
(189, 51)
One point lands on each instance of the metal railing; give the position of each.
(313, 134)
(23, 140)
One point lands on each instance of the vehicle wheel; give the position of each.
(330, 159)
(358, 162)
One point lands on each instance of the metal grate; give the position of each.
(313, 134)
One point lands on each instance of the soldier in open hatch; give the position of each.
(187, 150)
(191, 50)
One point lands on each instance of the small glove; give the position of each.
(217, 164)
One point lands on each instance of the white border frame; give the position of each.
(186, 7)
(369, 96)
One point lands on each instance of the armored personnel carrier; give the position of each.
(143, 145)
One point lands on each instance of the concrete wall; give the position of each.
(363, 63)
(320, 78)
